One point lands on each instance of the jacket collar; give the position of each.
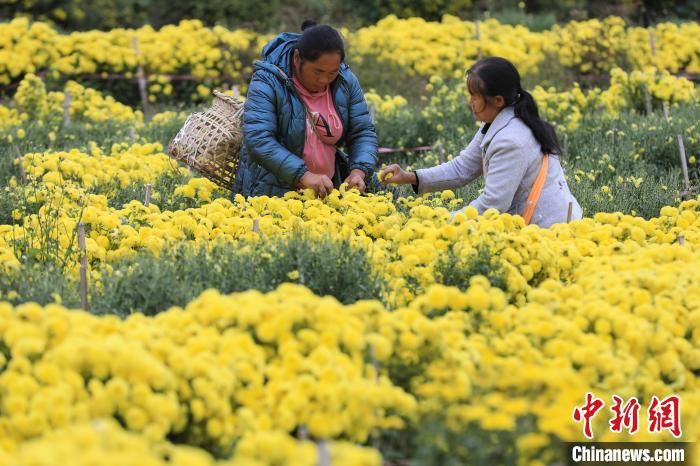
(498, 123)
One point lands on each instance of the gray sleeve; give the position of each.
(507, 166)
(463, 169)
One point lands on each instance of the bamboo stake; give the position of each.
(147, 200)
(647, 100)
(570, 213)
(324, 455)
(256, 225)
(647, 95)
(441, 152)
(375, 363)
(652, 46)
(141, 78)
(684, 162)
(83, 266)
(236, 92)
(478, 39)
(66, 109)
(681, 152)
(20, 165)
(302, 433)
(681, 239)
(372, 115)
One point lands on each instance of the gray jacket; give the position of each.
(509, 157)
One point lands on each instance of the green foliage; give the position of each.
(39, 282)
(277, 15)
(656, 191)
(472, 446)
(433, 443)
(520, 16)
(454, 270)
(151, 284)
(384, 77)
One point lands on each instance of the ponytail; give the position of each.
(526, 109)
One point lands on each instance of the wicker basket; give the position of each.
(210, 141)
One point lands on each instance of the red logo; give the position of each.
(587, 411)
(663, 414)
(626, 416)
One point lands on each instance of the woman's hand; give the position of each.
(394, 174)
(356, 179)
(321, 184)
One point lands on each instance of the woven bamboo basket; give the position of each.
(210, 141)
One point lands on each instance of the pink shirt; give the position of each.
(319, 152)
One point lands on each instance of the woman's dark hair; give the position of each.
(492, 76)
(317, 39)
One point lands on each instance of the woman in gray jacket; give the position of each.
(516, 151)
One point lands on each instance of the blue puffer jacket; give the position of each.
(274, 125)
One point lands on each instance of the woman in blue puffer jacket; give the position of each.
(302, 104)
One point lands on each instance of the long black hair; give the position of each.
(317, 39)
(493, 76)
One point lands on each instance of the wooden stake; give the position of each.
(652, 46)
(684, 162)
(570, 212)
(441, 153)
(372, 113)
(681, 152)
(681, 239)
(478, 39)
(20, 165)
(647, 100)
(324, 455)
(147, 200)
(83, 266)
(256, 225)
(132, 134)
(66, 109)
(302, 433)
(141, 78)
(375, 363)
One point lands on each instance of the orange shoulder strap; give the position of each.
(536, 190)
